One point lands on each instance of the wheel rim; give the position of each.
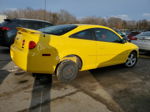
(131, 60)
(68, 72)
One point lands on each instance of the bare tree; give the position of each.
(64, 17)
(93, 20)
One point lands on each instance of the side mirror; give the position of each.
(129, 40)
(123, 41)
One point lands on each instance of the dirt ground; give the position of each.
(110, 89)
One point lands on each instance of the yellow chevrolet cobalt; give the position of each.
(64, 50)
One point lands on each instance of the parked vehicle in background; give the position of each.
(142, 40)
(65, 49)
(131, 36)
(2, 17)
(122, 34)
(8, 28)
(127, 32)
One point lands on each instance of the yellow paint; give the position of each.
(93, 53)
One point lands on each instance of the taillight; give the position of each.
(133, 38)
(5, 28)
(32, 44)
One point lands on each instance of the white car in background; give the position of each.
(143, 41)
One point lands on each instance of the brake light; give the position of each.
(5, 28)
(32, 44)
(133, 38)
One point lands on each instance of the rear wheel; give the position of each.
(66, 71)
(132, 60)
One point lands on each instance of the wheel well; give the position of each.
(78, 59)
(72, 55)
(80, 66)
(135, 51)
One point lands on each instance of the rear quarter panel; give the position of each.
(85, 49)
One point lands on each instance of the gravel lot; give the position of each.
(110, 89)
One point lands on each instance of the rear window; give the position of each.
(58, 30)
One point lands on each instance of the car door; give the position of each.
(111, 50)
(85, 45)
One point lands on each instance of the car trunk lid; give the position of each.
(25, 36)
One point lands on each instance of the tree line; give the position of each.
(64, 17)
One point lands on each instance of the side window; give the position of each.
(86, 34)
(106, 35)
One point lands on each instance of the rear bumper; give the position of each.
(30, 62)
(1, 40)
(19, 57)
(4, 41)
(7, 38)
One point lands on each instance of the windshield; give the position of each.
(58, 30)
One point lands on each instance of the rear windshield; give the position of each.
(58, 30)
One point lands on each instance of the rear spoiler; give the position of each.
(26, 30)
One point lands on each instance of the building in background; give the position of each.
(2, 17)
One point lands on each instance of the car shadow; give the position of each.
(4, 56)
(4, 50)
(40, 101)
(127, 86)
(4, 60)
(3, 75)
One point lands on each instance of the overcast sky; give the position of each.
(125, 9)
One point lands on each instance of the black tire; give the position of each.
(132, 60)
(67, 71)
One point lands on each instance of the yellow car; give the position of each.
(65, 49)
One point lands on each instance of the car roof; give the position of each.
(87, 25)
(30, 20)
(93, 26)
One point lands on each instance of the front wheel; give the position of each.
(67, 71)
(132, 60)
